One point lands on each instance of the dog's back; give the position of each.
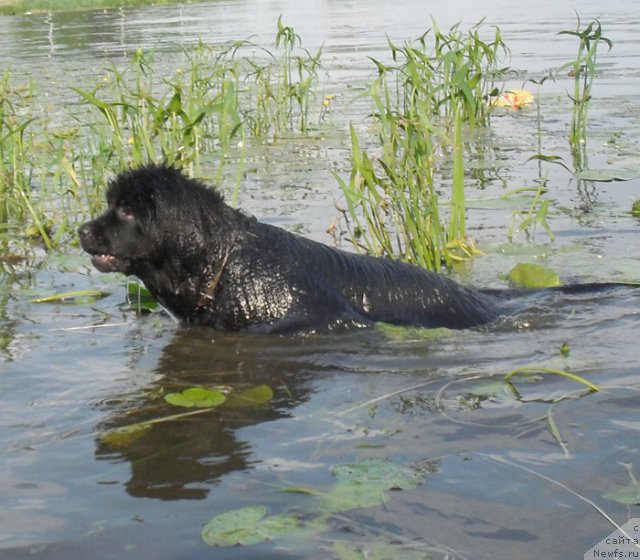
(319, 285)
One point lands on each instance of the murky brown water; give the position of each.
(70, 374)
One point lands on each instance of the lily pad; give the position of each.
(123, 437)
(196, 397)
(348, 495)
(487, 389)
(609, 174)
(384, 473)
(247, 526)
(256, 396)
(628, 495)
(400, 333)
(533, 275)
(362, 485)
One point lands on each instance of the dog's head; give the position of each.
(120, 236)
(151, 212)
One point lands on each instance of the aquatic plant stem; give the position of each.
(572, 376)
(583, 69)
(457, 227)
(420, 105)
(553, 427)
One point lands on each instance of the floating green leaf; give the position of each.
(140, 297)
(533, 275)
(136, 289)
(362, 485)
(609, 174)
(196, 397)
(81, 296)
(628, 495)
(359, 485)
(256, 396)
(122, 437)
(247, 526)
(233, 527)
(348, 495)
(401, 333)
(384, 473)
(491, 388)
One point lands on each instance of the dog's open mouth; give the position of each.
(109, 263)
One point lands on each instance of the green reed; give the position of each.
(282, 86)
(173, 120)
(388, 220)
(19, 203)
(527, 220)
(427, 105)
(423, 106)
(536, 213)
(467, 69)
(209, 105)
(52, 174)
(583, 70)
(12, 152)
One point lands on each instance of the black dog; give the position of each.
(212, 265)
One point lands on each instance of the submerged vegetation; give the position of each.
(429, 107)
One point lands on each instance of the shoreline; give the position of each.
(27, 7)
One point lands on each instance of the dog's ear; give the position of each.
(132, 199)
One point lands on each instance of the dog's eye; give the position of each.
(125, 214)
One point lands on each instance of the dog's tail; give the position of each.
(577, 288)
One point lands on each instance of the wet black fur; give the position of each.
(210, 264)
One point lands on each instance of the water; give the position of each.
(71, 374)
